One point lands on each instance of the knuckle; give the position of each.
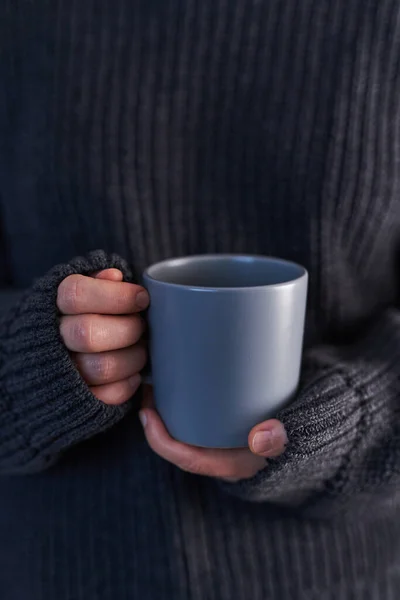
(104, 367)
(123, 299)
(71, 294)
(100, 368)
(82, 333)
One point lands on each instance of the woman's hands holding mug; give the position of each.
(101, 327)
(266, 440)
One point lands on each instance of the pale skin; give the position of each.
(102, 328)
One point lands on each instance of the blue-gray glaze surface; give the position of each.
(226, 334)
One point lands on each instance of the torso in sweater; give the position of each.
(158, 129)
(154, 129)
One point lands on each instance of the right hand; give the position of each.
(102, 329)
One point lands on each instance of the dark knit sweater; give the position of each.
(151, 129)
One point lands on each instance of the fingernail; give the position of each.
(143, 418)
(135, 381)
(263, 442)
(142, 300)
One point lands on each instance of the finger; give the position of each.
(79, 295)
(100, 333)
(118, 392)
(109, 274)
(107, 367)
(268, 439)
(226, 464)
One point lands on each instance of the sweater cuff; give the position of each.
(344, 415)
(46, 405)
(323, 426)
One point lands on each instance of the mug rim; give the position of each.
(302, 272)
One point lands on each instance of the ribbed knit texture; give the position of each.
(44, 404)
(163, 128)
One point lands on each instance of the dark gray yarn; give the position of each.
(160, 128)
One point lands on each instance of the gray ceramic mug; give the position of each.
(226, 334)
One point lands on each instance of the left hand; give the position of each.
(266, 440)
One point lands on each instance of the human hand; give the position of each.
(101, 327)
(266, 440)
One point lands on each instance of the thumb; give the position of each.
(109, 275)
(268, 439)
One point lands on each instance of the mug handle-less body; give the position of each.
(226, 400)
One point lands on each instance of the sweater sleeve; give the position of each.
(343, 429)
(45, 406)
